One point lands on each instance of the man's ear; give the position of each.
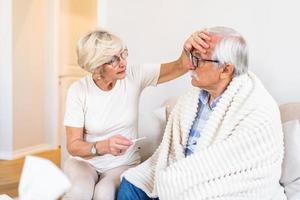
(227, 71)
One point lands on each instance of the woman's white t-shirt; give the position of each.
(103, 114)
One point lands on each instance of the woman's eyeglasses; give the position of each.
(115, 61)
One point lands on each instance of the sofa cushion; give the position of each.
(290, 178)
(290, 111)
(151, 126)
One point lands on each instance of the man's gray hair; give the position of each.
(232, 48)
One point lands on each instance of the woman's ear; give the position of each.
(227, 71)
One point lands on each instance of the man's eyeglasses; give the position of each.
(115, 61)
(197, 62)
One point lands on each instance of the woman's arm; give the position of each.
(115, 145)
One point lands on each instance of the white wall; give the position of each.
(155, 31)
(76, 18)
(29, 74)
(6, 118)
(35, 85)
(51, 108)
(29, 82)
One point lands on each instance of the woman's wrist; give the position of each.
(102, 147)
(181, 62)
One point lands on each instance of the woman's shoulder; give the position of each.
(80, 85)
(132, 73)
(132, 70)
(140, 70)
(143, 75)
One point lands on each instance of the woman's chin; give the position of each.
(121, 75)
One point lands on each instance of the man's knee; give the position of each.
(127, 191)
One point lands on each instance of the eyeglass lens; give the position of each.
(115, 61)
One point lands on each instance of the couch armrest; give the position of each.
(290, 111)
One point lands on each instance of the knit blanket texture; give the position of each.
(238, 155)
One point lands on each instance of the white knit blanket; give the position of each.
(238, 155)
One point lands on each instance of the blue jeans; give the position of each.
(127, 191)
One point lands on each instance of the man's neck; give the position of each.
(216, 91)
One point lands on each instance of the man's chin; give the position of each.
(194, 82)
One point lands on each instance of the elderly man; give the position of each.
(223, 139)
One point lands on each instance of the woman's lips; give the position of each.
(121, 72)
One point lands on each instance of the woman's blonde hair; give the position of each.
(97, 48)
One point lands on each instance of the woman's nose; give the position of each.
(123, 63)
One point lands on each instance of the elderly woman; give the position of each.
(101, 113)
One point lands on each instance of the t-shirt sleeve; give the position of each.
(74, 112)
(146, 74)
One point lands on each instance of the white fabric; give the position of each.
(107, 113)
(238, 155)
(151, 126)
(292, 190)
(290, 177)
(5, 197)
(41, 179)
(87, 184)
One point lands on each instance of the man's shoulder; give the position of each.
(261, 102)
(191, 93)
(188, 100)
(263, 98)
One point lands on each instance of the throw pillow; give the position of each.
(290, 177)
(151, 125)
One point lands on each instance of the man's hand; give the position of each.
(115, 145)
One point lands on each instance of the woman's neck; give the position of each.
(105, 85)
